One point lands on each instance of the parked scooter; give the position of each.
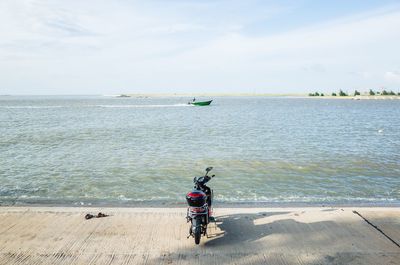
(199, 210)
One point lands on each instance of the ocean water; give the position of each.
(126, 151)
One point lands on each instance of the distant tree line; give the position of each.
(356, 93)
(383, 93)
(316, 94)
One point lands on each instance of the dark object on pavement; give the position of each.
(89, 216)
(99, 215)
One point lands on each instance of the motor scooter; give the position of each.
(199, 209)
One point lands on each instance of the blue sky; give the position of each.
(121, 46)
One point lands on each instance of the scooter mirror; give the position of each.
(209, 169)
(194, 179)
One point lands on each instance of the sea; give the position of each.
(110, 151)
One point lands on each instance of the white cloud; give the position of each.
(392, 77)
(102, 47)
(275, 61)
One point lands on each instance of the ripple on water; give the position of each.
(107, 150)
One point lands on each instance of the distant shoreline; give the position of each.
(201, 95)
(213, 95)
(210, 95)
(356, 97)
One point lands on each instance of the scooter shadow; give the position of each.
(238, 228)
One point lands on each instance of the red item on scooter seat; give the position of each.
(196, 198)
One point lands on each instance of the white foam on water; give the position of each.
(122, 197)
(306, 199)
(31, 107)
(143, 106)
(101, 106)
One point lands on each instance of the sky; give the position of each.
(57, 47)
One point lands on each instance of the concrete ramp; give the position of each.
(40, 235)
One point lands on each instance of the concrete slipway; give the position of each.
(61, 235)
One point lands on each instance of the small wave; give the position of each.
(142, 106)
(305, 199)
(30, 107)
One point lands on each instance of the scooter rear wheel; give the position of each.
(197, 235)
(197, 230)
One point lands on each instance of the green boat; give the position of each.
(200, 103)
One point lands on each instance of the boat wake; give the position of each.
(143, 106)
(96, 106)
(31, 107)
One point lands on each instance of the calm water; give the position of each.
(103, 150)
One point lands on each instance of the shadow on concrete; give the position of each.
(258, 239)
(240, 228)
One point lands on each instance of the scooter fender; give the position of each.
(196, 223)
